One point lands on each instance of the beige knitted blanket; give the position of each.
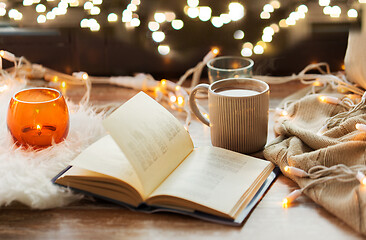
(299, 144)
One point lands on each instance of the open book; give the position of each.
(148, 162)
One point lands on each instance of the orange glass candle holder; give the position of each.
(38, 117)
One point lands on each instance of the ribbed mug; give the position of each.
(238, 113)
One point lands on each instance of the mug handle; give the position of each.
(193, 104)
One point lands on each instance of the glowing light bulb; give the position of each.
(95, 27)
(335, 12)
(158, 36)
(192, 3)
(85, 76)
(50, 16)
(217, 22)
(295, 171)
(27, 2)
(163, 49)
(153, 26)
(2, 11)
(317, 83)
(268, 31)
(236, 11)
(18, 16)
(112, 17)
(324, 3)
(361, 127)
(239, 34)
(267, 38)
(173, 98)
(215, 51)
(177, 24)
(163, 82)
(170, 16)
(275, 4)
(84, 23)
(193, 12)
(40, 8)
(248, 45)
(295, 15)
(88, 5)
(275, 27)
(352, 13)
(41, 19)
(225, 18)
(283, 23)
(268, 8)
(74, 3)
(258, 49)
(180, 101)
(285, 203)
(95, 10)
(135, 22)
(329, 99)
(246, 52)
(361, 178)
(204, 13)
(290, 198)
(327, 10)
(97, 2)
(265, 15)
(290, 21)
(303, 8)
(159, 17)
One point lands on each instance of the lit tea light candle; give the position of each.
(38, 117)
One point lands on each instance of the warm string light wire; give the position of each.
(323, 174)
(172, 93)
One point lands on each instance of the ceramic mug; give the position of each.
(238, 113)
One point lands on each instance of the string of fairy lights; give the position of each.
(48, 10)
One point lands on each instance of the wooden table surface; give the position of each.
(95, 219)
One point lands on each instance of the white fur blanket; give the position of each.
(25, 175)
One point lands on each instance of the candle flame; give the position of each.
(2, 53)
(286, 169)
(38, 127)
(63, 84)
(177, 88)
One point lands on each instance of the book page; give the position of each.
(213, 177)
(152, 139)
(105, 157)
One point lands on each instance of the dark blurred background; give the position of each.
(117, 48)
